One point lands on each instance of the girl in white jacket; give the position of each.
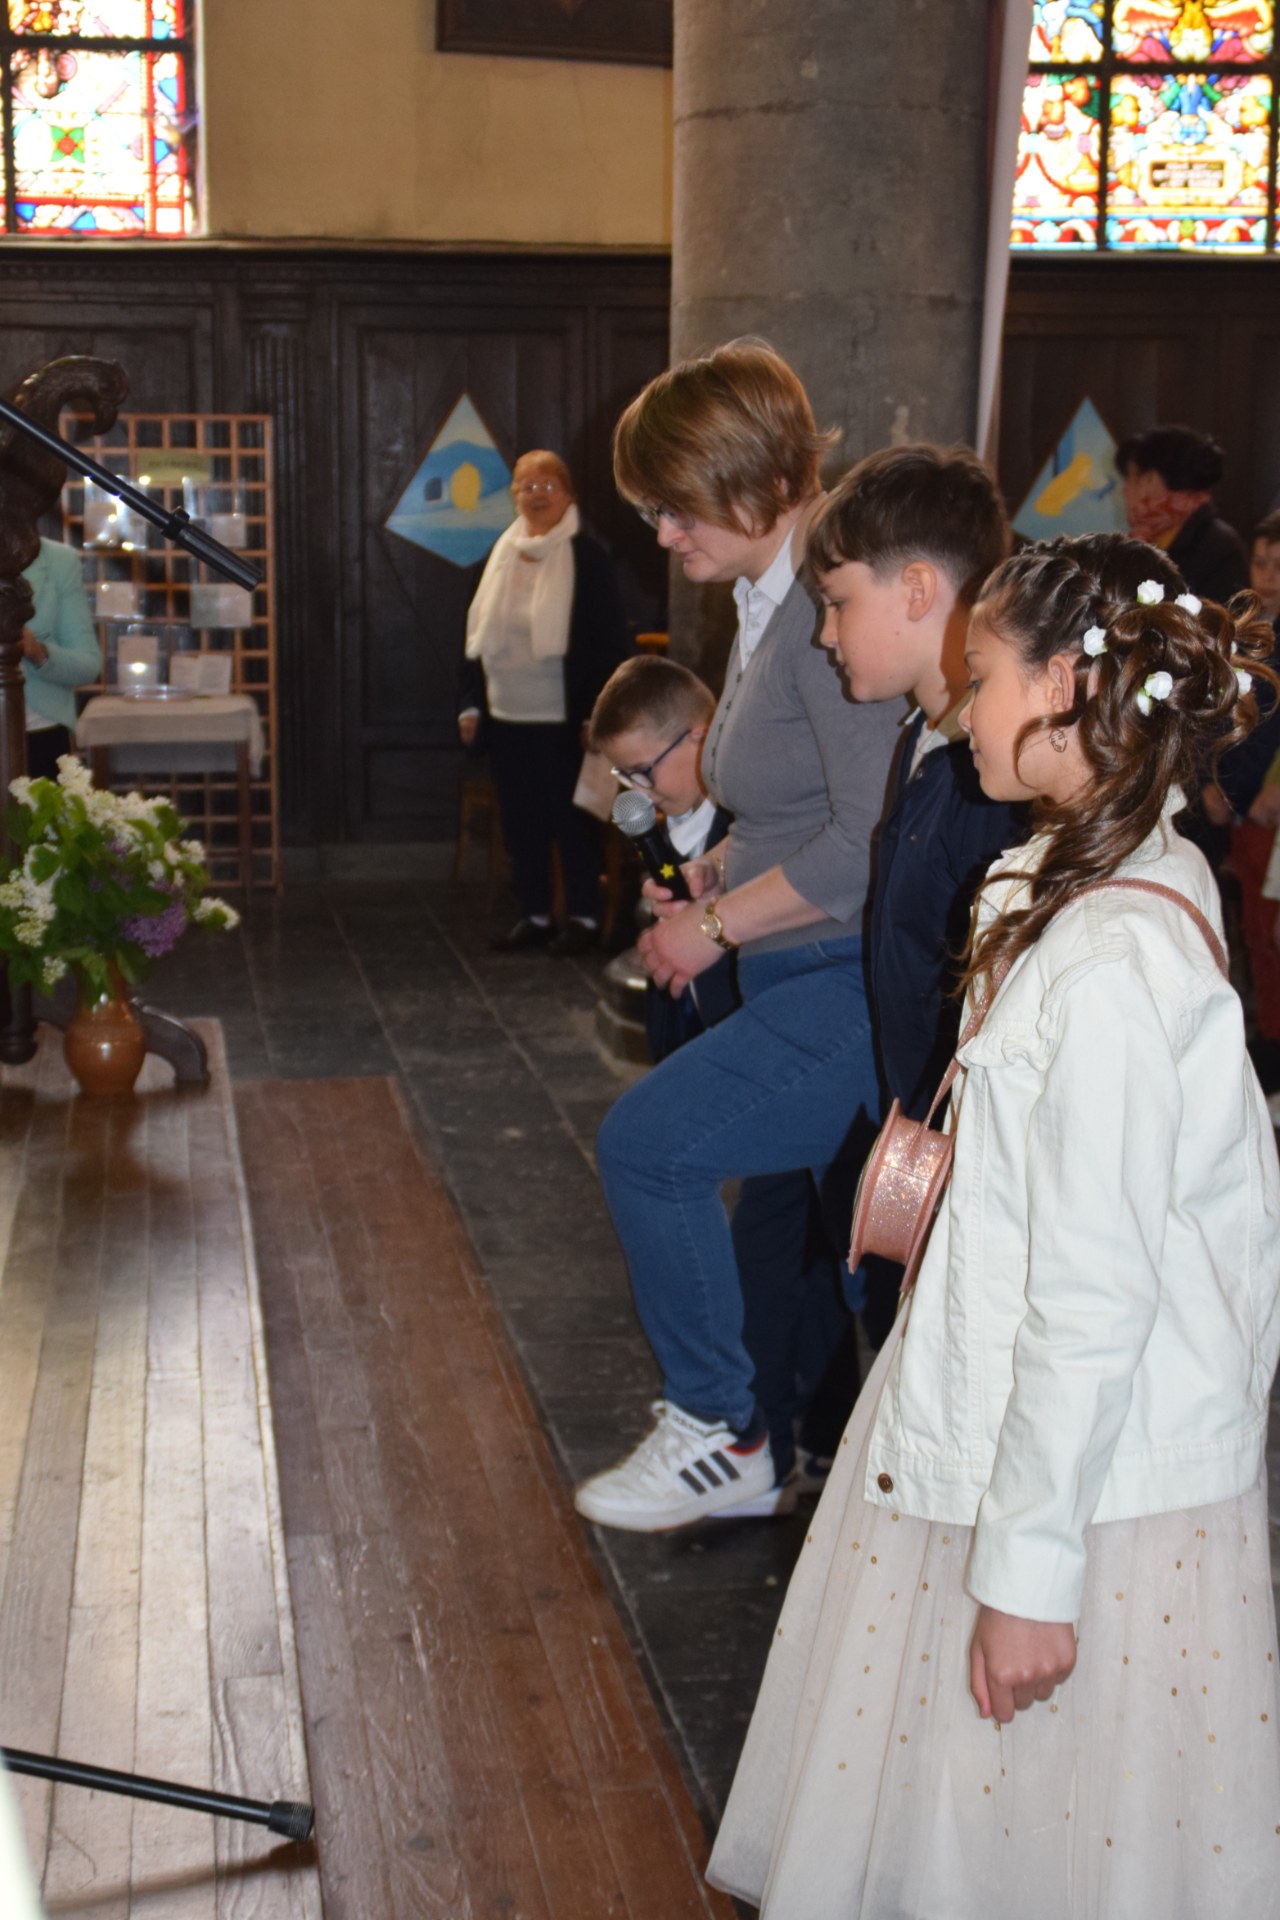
(1026, 1669)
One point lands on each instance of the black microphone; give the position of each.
(637, 816)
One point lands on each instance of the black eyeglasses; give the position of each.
(643, 776)
(654, 517)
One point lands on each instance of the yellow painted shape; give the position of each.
(464, 488)
(1065, 486)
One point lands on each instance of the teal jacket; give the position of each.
(63, 623)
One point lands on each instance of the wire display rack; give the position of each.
(186, 459)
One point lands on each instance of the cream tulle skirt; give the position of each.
(1148, 1789)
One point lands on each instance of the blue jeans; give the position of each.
(796, 1323)
(788, 1081)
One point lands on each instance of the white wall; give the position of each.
(329, 120)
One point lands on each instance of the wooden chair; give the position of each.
(479, 821)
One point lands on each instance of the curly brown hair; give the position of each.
(1043, 600)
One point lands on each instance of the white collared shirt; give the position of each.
(759, 600)
(689, 832)
(940, 733)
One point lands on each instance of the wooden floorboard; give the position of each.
(482, 1741)
(144, 1613)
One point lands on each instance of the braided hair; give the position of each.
(1045, 601)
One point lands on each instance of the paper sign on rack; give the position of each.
(198, 672)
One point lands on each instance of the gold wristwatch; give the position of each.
(713, 927)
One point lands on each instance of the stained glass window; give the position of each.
(98, 120)
(1149, 125)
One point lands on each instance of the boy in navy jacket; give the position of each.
(899, 550)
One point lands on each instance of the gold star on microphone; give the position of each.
(668, 872)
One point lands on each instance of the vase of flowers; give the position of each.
(98, 885)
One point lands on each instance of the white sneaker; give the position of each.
(807, 1478)
(682, 1471)
(774, 1505)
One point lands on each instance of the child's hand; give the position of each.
(705, 877)
(1014, 1662)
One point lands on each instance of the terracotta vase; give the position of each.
(104, 1044)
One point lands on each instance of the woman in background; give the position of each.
(545, 631)
(59, 653)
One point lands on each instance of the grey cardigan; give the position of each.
(803, 769)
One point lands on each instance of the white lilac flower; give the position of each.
(73, 775)
(216, 913)
(21, 790)
(135, 806)
(101, 809)
(52, 971)
(1189, 601)
(1095, 642)
(1150, 593)
(1244, 680)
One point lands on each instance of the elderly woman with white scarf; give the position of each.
(545, 631)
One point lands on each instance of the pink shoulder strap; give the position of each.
(979, 1013)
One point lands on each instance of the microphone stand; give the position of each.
(177, 526)
(32, 474)
(293, 1818)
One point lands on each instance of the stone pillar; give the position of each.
(831, 192)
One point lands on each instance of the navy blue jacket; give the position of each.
(670, 1023)
(941, 835)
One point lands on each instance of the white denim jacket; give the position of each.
(1095, 1325)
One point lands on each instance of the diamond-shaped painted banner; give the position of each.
(459, 500)
(1078, 489)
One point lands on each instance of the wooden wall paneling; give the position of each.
(284, 358)
(405, 609)
(1132, 373)
(1251, 355)
(628, 346)
(169, 365)
(1148, 342)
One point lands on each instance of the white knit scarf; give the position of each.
(488, 622)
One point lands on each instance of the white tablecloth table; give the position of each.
(207, 733)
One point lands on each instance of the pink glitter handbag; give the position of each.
(907, 1170)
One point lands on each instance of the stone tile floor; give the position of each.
(498, 1057)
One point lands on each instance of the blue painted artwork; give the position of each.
(459, 500)
(1078, 489)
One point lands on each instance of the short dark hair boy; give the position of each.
(900, 550)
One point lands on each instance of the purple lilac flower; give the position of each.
(156, 933)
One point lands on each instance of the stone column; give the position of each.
(831, 195)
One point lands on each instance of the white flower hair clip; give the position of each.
(1190, 602)
(1150, 593)
(1156, 686)
(1244, 680)
(1095, 642)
